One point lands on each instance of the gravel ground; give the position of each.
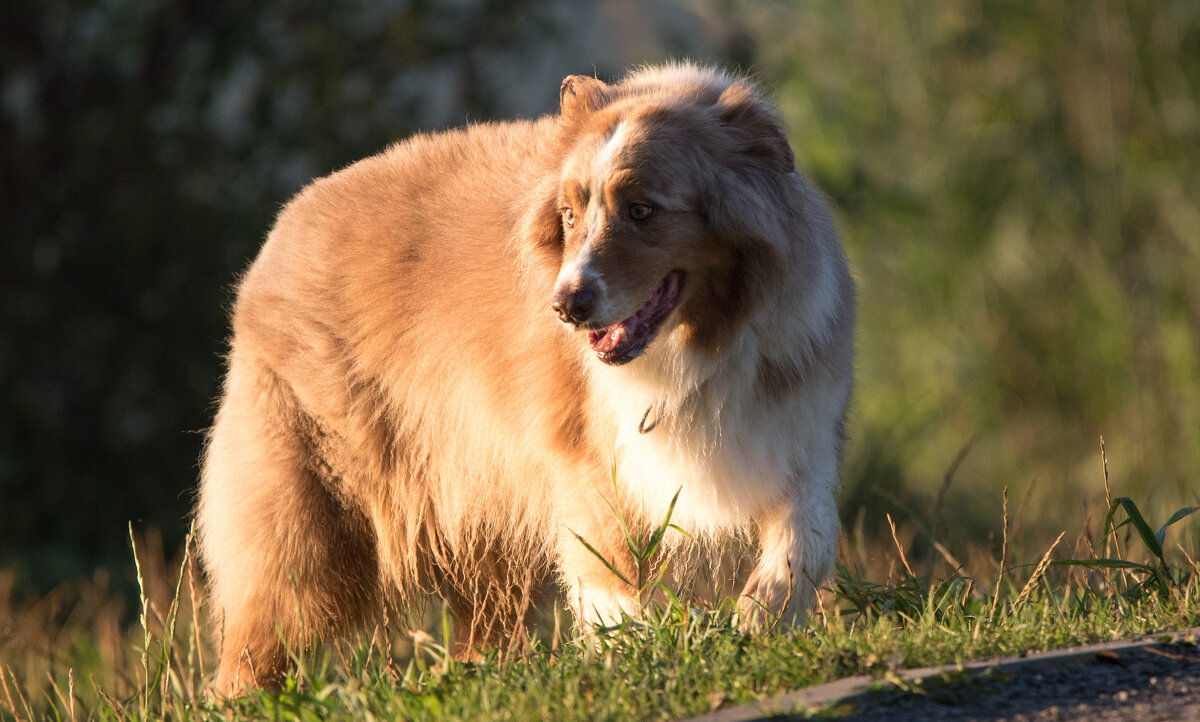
(1156, 677)
(1157, 682)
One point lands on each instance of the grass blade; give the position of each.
(1161, 536)
(1038, 572)
(1105, 564)
(656, 537)
(629, 539)
(601, 557)
(145, 621)
(1139, 523)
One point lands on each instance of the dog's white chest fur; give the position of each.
(712, 440)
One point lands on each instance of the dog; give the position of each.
(459, 367)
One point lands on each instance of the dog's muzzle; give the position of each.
(626, 339)
(574, 307)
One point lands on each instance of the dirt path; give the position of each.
(1156, 677)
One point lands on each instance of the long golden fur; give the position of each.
(443, 354)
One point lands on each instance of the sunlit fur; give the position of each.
(404, 414)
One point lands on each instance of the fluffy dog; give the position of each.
(454, 360)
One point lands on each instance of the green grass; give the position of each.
(58, 659)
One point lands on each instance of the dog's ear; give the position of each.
(541, 224)
(755, 133)
(580, 96)
(539, 231)
(755, 200)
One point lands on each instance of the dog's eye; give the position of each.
(568, 217)
(639, 211)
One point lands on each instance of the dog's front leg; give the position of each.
(596, 594)
(798, 547)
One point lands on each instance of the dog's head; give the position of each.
(671, 206)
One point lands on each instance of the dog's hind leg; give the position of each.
(287, 562)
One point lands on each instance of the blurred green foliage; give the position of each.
(1017, 185)
(1019, 188)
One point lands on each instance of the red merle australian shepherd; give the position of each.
(453, 360)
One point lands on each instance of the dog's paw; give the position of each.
(753, 608)
(769, 598)
(603, 608)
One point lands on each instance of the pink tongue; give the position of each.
(607, 339)
(671, 287)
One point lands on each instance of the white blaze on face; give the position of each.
(604, 162)
(579, 271)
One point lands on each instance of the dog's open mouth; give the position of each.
(625, 340)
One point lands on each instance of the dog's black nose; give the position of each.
(574, 307)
